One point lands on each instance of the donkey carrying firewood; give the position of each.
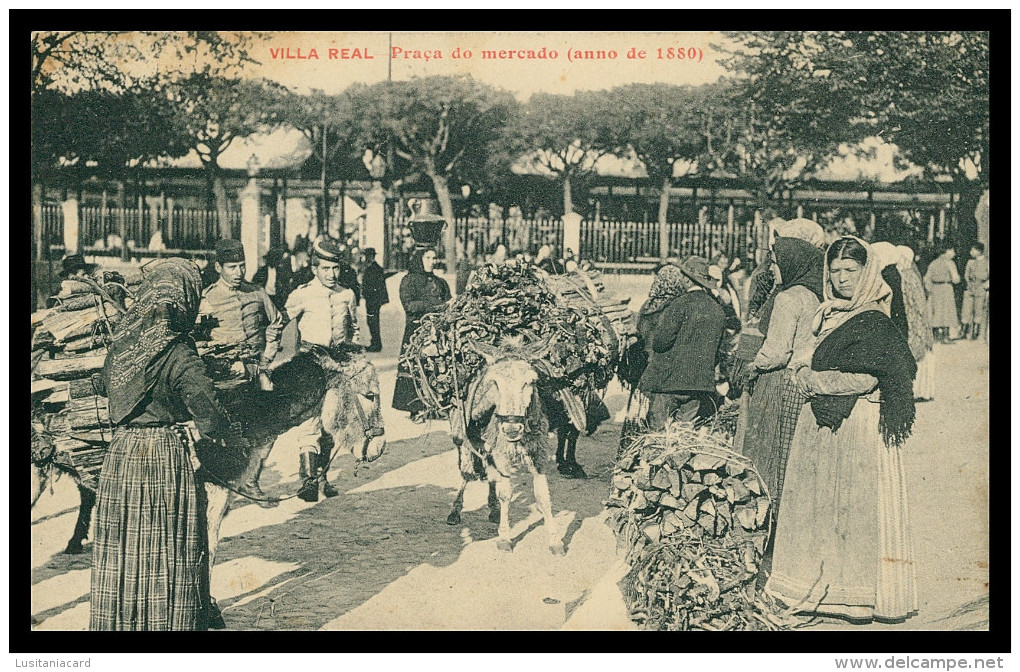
(501, 428)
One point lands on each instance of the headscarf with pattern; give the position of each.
(871, 293)
(669, 283)
(164, 311)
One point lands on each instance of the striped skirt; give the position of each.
(770, 418)
(148, 560)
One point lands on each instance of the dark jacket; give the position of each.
(373, 284)
(284, 280)
(349, 278)
(685, 345)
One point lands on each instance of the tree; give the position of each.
(65, 62)
(118, 60)
(797, 100)
(335, 131)
(567, 135)
(929, 95)
(212, 111)
(669, 125)
(924, 91)
(441, 126)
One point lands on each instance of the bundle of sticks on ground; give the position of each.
(70, 420)
(583, 324)
(694, 517)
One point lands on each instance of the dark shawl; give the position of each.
(164, 311)
(800, 263)
(897, 311)
(869, 343)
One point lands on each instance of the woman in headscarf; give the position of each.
(149, 568)
(919, 334)
(761, 286)
(939, 280)
(843, 544)
(774, 402)
(668, 284)
(421, 292)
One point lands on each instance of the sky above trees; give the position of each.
(522, 77)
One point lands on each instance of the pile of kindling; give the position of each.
(694, 517)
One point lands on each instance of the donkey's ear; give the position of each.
(538, 349)
(488, 352)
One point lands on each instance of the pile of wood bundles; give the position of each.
(69, 343)
(695, 518)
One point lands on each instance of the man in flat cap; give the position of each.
(245, 326)
(326, 315)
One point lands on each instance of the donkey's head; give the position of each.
(511, 372)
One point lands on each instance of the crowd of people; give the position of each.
(824, 347)
(835, 345)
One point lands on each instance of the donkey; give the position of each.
(311, 383)
(501, 428)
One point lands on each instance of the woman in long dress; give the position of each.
(843, 541)
(919, 334)
(149, 567)
(774, 402)
(939, 280)
(421, 292)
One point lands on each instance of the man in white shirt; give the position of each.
(326, 315)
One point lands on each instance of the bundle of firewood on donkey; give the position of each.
(584, 327)
(694, 517)
(70, 420)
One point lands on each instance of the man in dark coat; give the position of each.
(680, 377)
(373, 283)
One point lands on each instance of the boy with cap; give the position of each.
(326, 315)
(245, 323)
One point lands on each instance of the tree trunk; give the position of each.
(663, 213)
(37, 223)
(324, 211)
(41, 245)
(122, 218)
(220, 194)
(568, 197)
(442, 188)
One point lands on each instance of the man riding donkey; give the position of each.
(244, 329)
(325, 313)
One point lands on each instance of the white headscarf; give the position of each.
(871, 293)
(886, 252)
(805, 229)
(906, 258)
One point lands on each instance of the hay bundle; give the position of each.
(695, 518)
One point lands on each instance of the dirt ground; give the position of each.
(381, 555)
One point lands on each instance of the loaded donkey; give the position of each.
(502, 427)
